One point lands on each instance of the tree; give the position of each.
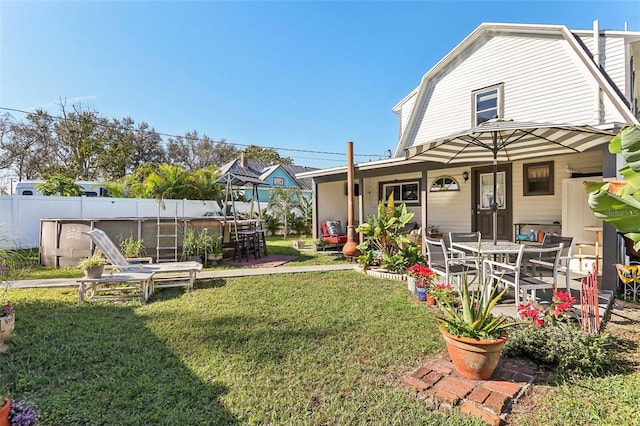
(193, 152)
(282, 202)
(60, 185)
(29, 148)
(268, 155)
(127, 147)
(81, 137)
(204, 184)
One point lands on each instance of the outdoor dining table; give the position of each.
(486, 249)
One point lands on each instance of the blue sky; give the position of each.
(302, 75)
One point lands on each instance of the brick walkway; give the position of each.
(438, 384)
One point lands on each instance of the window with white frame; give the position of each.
(487, 104)
(407, 192)
(445, 183)
(278, 181)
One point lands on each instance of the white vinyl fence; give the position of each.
(20, 215)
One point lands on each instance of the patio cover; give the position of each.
(509, 140)
(506, 141)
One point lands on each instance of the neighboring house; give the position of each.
(273, 175)
(527, 73)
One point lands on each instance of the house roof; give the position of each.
(580, 54)
(260, 170)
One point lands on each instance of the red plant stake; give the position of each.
(589, 302)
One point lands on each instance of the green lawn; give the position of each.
(294, 349)
(299, 349)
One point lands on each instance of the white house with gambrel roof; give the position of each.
(521, 72)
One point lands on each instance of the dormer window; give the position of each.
(487, 104)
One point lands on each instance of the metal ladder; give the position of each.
(167, 236)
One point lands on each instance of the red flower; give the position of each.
(526, 311)
(564, 296)
(421, 272)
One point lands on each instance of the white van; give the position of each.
(91, 188)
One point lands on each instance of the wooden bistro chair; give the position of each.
(517, 274)
(440, 260)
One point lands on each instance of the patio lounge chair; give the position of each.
(332, 233)
(173, 274)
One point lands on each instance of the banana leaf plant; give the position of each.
(618, 202)
(383, 232)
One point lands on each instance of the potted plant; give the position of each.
(420, 278)
(5, 409)
(433, 231)
(191, 249)
(473, 335)
(319, 245)
(214, 249)
(132, 248)
(93, 266)
(198, 245)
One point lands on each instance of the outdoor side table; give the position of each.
(139, 283)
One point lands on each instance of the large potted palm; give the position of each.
(473, 335)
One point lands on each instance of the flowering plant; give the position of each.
(423, 274)
(442, 291)
(562, 303)
(22, 414)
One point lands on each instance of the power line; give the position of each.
(111, 126)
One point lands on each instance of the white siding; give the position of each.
(614, 62)
(612, 58)
(547, 208)
(543, 82)
(451, 210)
(407, 107)
(373, 196)
(333, 203)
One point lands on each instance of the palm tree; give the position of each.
(282, 202)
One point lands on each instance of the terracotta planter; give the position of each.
(7, 324)
(431, 300)
(474, 359)
(4, 413)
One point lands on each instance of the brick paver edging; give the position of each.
(438, 384)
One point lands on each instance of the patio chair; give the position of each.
(465, 237)
(171, 274)
(332, 233)
(544, 267)
(439, 259)
(516, 274)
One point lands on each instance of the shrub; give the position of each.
(564, 347)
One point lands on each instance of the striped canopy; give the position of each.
(509, 141)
